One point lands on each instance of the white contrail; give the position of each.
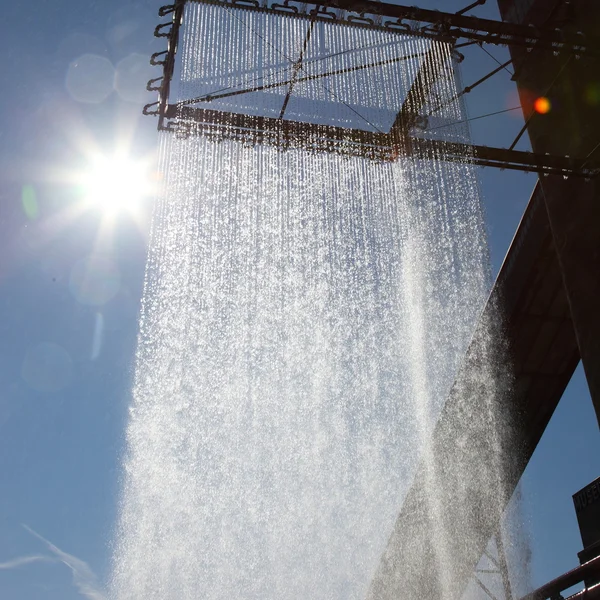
(84, 578)
(24, 560)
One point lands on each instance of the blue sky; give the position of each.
(62, 423)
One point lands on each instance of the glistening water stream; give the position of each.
(303, 318)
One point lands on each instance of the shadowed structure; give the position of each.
(547, 290)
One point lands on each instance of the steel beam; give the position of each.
(418, 94)
(553, 589)
(449, 26)
(286, 133)
(572, 128)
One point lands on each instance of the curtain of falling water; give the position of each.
(302, 321)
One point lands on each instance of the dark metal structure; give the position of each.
(554, 588)
(402, 139)
(547, 292)
(543, 351)
(587, 509)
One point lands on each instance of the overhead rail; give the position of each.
(284, 134)
(405, 137)
(411, 20)
(553, 590)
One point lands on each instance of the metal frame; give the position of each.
(166, 60)
(401, 140)
(553, 589)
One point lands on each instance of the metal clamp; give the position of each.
(360, 19)
(419, 122)
(457, 56)
(317, 12)
(163, 11)
(151, 87)
(399, 25)
(159, 63)
(253, 3)
(286, 7)
(158, 30)
(146, 110)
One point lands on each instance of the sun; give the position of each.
(116, 183)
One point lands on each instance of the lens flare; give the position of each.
(29, 202)
(592, 94)
(542, 105)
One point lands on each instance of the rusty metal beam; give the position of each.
(449, 26)
(418, 94)
(281, 133)
(564, 582)
(286, 133)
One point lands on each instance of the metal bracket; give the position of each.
(168, 63)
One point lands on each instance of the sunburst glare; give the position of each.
(116, 183)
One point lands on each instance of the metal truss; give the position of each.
(402, 139)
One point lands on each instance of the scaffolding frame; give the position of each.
(402, 140)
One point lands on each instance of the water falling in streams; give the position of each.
(303, 318)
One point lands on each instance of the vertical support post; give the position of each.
(503, 566)
(571, 127)
(574, 214)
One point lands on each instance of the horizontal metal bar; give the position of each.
(285, 133)
(466, 9)
(502, 158)
(370, 13)
(592, 593)
(282, 130)
(261, 88)
(564, 582)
